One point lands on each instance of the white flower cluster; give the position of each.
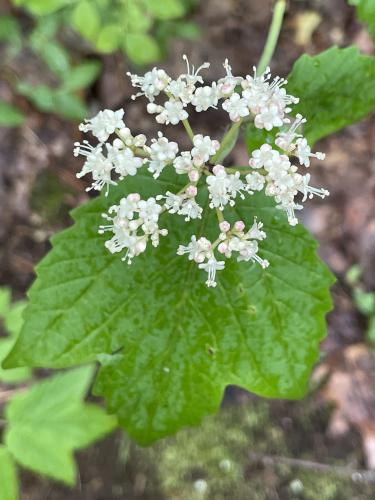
(135, 222)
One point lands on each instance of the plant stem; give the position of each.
(241, 170)
(188, 128)
(227, 143)
(273, 36)
(220, 215)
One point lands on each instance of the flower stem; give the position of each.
(227, 143)
(273, 35)
(219, 214)
(188, 128)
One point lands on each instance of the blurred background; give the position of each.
(63, 60)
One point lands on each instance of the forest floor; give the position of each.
(243, 452)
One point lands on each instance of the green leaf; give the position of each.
(353, 274)
(54, 100)
(255, 137)
(13, 319)
(69, 106)
(365, 301)
(10, 116)
(86, 19)
(81, 76)
(336, 88)
(186, 29)
(8, 475)
(42, 7)
(55, 56)
(167, 9)
(11, 315)
(135, 19)
(177, 343)
(142, 48)
(109, 38)
(14, 375)
(41, 96)
(9, 28)
(366, 13)
(49, 422)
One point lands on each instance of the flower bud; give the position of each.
(224, 226)
(239, 226)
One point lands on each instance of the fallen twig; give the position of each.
(356, 475)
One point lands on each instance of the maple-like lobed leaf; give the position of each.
(168, 345)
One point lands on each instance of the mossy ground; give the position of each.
(216, 460)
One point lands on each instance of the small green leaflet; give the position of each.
(366, 13)
(10, 116)
(177, 344)
(8, 476)
(46, 424)
(167, 9)
(336, 87)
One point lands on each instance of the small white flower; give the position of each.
(218, 188)
(205, 97)
(227, 85)
(127, 206)
(204, 147)
(173, 201)
(255, 232)
(285, 140)
(309, 191)
(268, 118)
(256, 90)
(304, 153)
(211, 266)
(151, 84)
(161, 153)
(124, 161)
(104, 123)
(197, 250)
(261, 157)
(183, 164)
(236, 185)
(191, 210)
(182, 90)
(255, 181)
(96, 164)
(289, 207)
(237, 107)
(172, 112)
(192, 76)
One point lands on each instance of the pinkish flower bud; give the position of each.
(239, 226)
(224, 226)
(191, 191)
(217, 169)
(193, 175)
(222, 248)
